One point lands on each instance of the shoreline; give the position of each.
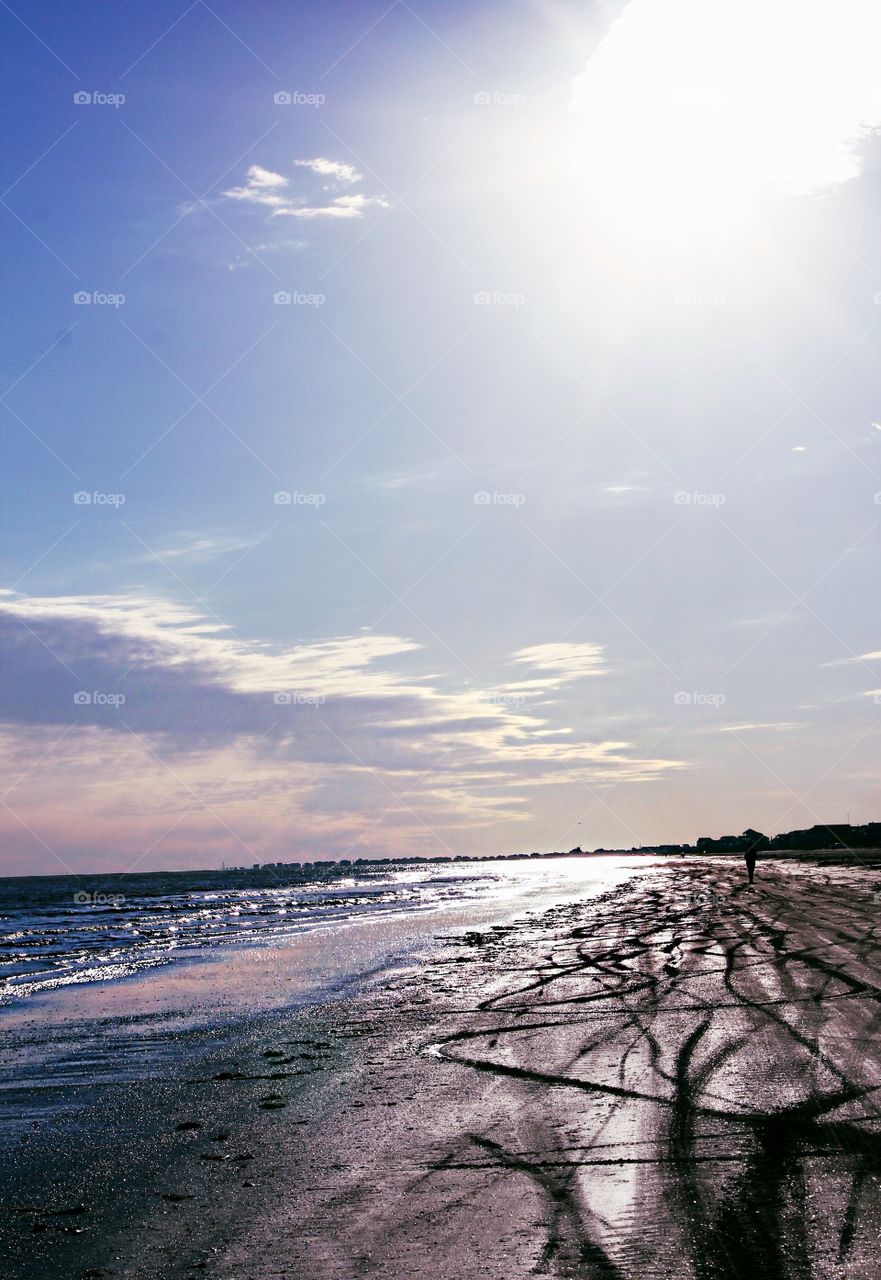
(51, 942)
(266, 873)
(676, 1077)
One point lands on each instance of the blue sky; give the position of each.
(560, 345)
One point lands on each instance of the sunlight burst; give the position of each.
(693, 108)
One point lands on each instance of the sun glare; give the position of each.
(693, 109)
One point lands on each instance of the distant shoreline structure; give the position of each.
(833, 838)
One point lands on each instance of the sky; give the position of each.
(435, 428)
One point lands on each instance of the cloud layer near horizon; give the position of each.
(148, 680)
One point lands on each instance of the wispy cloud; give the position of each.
(756, 726)
(562, 661)
(197, 547)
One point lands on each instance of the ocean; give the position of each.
(59, 931)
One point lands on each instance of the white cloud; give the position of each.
(273, 190)
(262, 186)
(873, 656)
(562, 661)
(260, 177)
(308, 211)
(360, 203)
(188, 678)
(339, 207)
(330, 169)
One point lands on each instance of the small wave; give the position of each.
(51, 939)
(50, 936)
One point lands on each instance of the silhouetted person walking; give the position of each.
(753, 841)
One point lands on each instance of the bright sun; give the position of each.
(692, 108)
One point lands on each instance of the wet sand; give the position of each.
(681, 1078)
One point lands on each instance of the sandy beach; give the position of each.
(679, 1078)
(440, 502)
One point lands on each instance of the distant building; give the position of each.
(836, 835)
(750, 841)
